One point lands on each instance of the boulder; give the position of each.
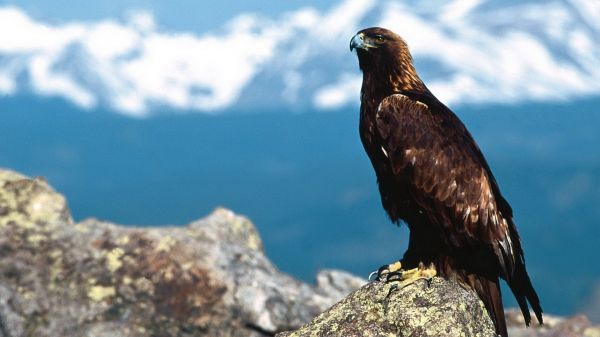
(428, 308)
(425, 308)
(209, 278)
(95, 278)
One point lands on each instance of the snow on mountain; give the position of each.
(468, 51)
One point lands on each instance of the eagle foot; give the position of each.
(409, 277)
(394, 272)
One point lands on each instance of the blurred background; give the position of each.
(155, 112)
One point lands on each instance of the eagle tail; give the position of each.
(520, 283)
(488, 291)
(521, 286)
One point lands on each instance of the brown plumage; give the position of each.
(432, 175)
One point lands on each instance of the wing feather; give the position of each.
(448, 173)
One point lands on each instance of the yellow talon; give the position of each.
(394, 272)
(420, 273)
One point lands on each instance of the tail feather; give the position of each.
(521, 286)
(519, 282)
(488, 291)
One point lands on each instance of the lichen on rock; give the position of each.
(95, 278)
(30, 202)
(209, 278)
(424, 308)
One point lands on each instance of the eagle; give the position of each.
(432, 176)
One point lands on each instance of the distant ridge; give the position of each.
(470, 51)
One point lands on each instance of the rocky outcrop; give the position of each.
(94, 278)
(575, 326)
(428, 309)
(425, 308)
(209, 278)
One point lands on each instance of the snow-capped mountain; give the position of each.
(467, 51)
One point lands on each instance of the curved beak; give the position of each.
(358, 42)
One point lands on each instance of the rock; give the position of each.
(591, 307)
(209, 278)
(576, 326)
(438, 308)
(94, 278)
(435, 308)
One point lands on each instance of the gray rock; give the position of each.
(426, 309)
(591, 306)
(209, 278)
(423, 309)
(94, 278)
(554, 326)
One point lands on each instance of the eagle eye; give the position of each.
(379, 38)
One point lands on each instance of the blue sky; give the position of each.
(188, 15)
(136, 57)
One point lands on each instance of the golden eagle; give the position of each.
(433, 176)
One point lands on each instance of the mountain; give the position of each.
(468, 51)
(306, 182)
(237, 120)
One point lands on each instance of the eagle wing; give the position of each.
(448, 176)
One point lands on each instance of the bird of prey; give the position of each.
(433, 176)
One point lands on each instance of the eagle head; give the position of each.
(376, 37)
(384, 56)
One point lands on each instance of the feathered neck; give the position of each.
(386, 76)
